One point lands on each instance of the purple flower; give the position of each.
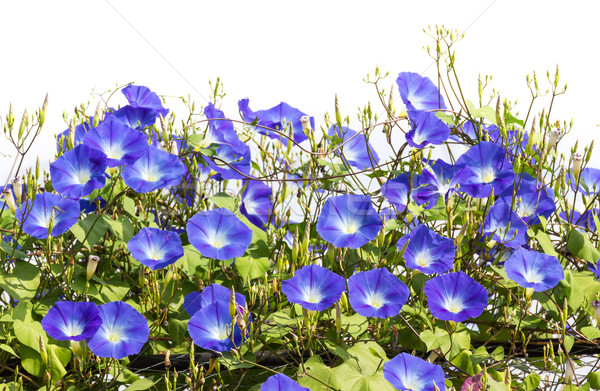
(155, 248)
(195, 301)
(348, 221)
(407, 372)
(455, 297)
(355, 149)
(121, 144)
(505, 225)
(276, 118)
(134, 117)
(256, 203)
(427, 251)
(142, 97)
(69, 320)
(211, 325)
(439, 180)
(418, 92)
(36, 222)
(78, 172)
(281, 382)
(532, 269)
(426, 129)
(397, 191)
(533, 199)
(155, 169)
(585, 220)
(123, 332)
(589, 181)
(219, 234)
(473, 383)
(221, 131)
(230, 164)
(377, 293)
(314, 287)
(482, 168)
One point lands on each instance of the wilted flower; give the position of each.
(69, 320)
(78, 172)
(281, 382)
(355, 149)
(314, 287)
(418, 92)
(533, 269)
(427, 251)
(455, 297)
(155, 169)
(155, 248)
(407, 372)
(377, 293)
(48, 209)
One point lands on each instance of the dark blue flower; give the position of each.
(482, 168)
(219, 234)
(74, 321)
(123, 332)
(121, 144)
(78, 172)
(439, 180)
(585, 220)
(155, 248)
(221, 131)
(426, 129)
(314, 287)
(418, 92)
(355, 149)
(36, 221)
(278, 118)
(589, 181)
(195, 301)
(348, 221)
(505, 225)
(407, 372)
(455, 297)
(397, 191)
(142, 97)
(155, 169)
(377, 293)
(210, 328)
(230, 164)
(281, 382)
(427, 251)
(533, 269)
(134, 117)
(256, 203)
(533, 199)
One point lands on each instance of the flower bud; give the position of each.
(500, 118)
(43, 352)
(43, 111)
(338, 113)
(97, 115)
(577, 159)
(553, 139)
(71, 138)
(7, 195)
(17, 186)
(232, 304)
(92, 265)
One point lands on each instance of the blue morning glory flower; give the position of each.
(482, 168)
(594, 268)
(276, 118)
(142, 97)
(377, 293)
(533, 198)
(427, 251)
(355, 149)
(74, 321)
(123, 332)
(397, 191)
(407, 372)
(209, 328)
(78, 172)
(418, 92)
(281, 382)
(36, 222)
(439, 180)
(426, 128)
(221, 131)
(155, 169)
(348, 221)
(155, 248)
(219, 234)
(195, 301)
(455, 297)
(230, 164)
(589, 181)
(506, 226)
(121, 144)
(314, 287)
(134, 117)
(533, 269)
(256, 203)
(584, 220)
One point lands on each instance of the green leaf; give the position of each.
(316, 368)
(569, 341)
(545, 243)
(590, 332)
(8, 349)
(355, 325)
(484, 112)
(122, 228)
(579, 245)
(531, 382)
(90, 230)
(594, 379)
(32, 361)
(58, 358)
(446, 118)
(177, 330)
(571, 290)
(141, 384)
(363, 370)
(10, 250)
(223, 200)
(29, 333)
(252, 267)
(463, 361)
(114, 289)
(23, 282)
(450, 345)
(192, 260)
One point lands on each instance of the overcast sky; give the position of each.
(299, 52)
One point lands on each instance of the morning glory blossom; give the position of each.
(134, 117)
(418, 92)
(70, 320)
(426, 128)
(355, 149)
(256, 203)
(377, 293)
(533, 199)
(221, 131)
(36, 221)
(281, 382)
(407, 372)
(438, 180)
(209, 328)
(455, 296)
(219, 234)
(505, 225)
(229, 164)
(155, 248)
(348, 221)
(121, 144)
(142, 97)
(589, 181)
(195, 301)
(427, 251)
(314, 287)
(78, 172)
(155, 169)
(397, 191)
(533, 269)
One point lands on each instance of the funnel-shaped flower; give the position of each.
(219, 234)
(348, 221)
(314, 287)
(155, 248)
(418, 92)
(120, 143)
(123, 332)
(210, 326)
(426, 129)
(279, 118)
(407, 372)
(482, 168)
(377, 293)
(221, 131)
(427, 251)
(355, 149)
(230, 164)
(533, 199)
(155, 169)
(142, 97)
(78, 172)
(533, 269)
(74, 321)
(195, 301)
(589, 181)
(506, 226)
(36, 222)
(455, 297)
(281, 382)
(397, 191)
(439, 180)
(134, 117)
(256, 203)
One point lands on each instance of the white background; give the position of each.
(299, 52)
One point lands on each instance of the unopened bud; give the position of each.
(7, 195)
(500, 118)
(92, 265)
(338, 113)
(553, 139)
(97, 115)
(43, 111)
(577, 159)
(17, 186)
(23, 125)
(232, 304)
(173, 148)
(43, 352)
(71, 138)
(596, 306)
(168, 358)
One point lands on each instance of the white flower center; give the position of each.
(150, 174)
(423, 259)
(351, 227)
(375, 300)
(312, 296)
(114, 151)
(533, 277)
(488, 175)
(73, 330)
(83, 176)
(454, 304)
(114, 337)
